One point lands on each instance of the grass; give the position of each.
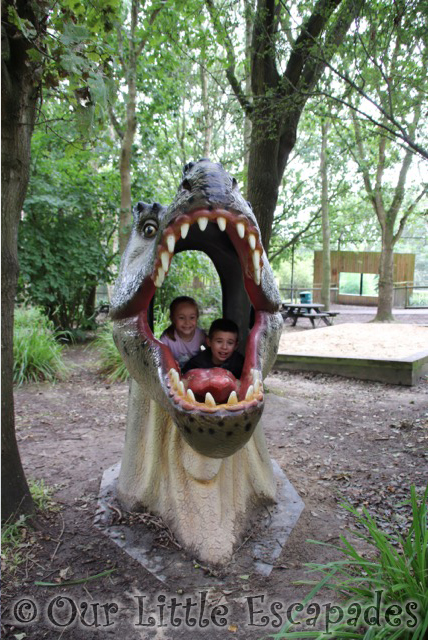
(37, 354)
(397, 575)
(16, 537)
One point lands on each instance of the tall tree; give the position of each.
(20, 91)
(27, 62)
(277, 97)
(397, 78)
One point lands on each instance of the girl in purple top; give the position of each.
(183, 337)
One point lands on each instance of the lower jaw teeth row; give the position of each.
(253, 391)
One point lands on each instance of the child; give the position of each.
(183, 336)
(222, 342)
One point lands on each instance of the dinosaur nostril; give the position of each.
(186, 185)
(234, 183)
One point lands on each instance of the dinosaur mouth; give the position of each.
(220, 233)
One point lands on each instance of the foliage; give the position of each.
(65, 236)
(303, 270)
(193, 274)
(110, 362)
(399, 571)
(37, 354)
(42, 495)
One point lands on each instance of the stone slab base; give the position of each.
(406, 371)
(139, 541)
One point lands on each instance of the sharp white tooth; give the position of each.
(175, 377)
(180, 388)
(233, 398)
(240, 227)
(221, 223)
(161, 276)
(157, 283)
(190, 395)
(257, 387)
(184, 229)
(257, 276)
(170, 243)
(165, 257)
(209, 400)
(252, 241)
(202, 222)
(256, 260)
(250, 393)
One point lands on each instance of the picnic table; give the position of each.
(310, 310)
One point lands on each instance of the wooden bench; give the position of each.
(326, 316)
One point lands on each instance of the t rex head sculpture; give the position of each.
(208, 214)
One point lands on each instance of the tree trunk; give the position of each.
(248, 10)
(326, 266)
(263, 178)
(20, 92)
(207, 123)
(125, 223)
(386, 279)
(127, 135)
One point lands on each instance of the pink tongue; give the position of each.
(218, 382)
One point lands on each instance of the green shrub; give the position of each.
(396, 575)
(37, 354)
(110, 362)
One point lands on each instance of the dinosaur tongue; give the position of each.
(218, 382)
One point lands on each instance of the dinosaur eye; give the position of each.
(149, 229)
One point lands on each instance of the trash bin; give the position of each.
(305, 297)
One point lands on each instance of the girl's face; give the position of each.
(185, 319)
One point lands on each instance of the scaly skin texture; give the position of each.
(203, 467)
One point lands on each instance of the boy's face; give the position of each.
(222, 344)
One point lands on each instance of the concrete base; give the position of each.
(138, 541)
(406, 371)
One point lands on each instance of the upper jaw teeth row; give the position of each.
(253, 391)
(241, 229)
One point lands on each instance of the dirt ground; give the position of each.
(337, 440)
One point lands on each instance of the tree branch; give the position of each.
(409, 211)
(230, 69)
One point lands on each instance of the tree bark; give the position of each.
(207, 123)
(21, 78)
(386, 278)
(326, 265)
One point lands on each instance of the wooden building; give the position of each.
(353, 275)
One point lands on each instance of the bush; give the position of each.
(37, 354)
(110, 363)
(398, 572)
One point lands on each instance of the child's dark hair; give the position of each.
(223, 324)
(173, 306)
